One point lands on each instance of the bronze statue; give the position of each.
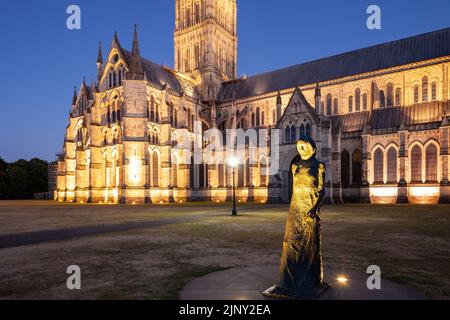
(300, 275)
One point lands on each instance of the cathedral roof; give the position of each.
(391, 118)
(418, 48)
(159, 76)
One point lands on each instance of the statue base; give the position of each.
(276, 292)
(247, 283)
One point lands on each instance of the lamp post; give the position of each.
(233, 162)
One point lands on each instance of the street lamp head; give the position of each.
(233, 161)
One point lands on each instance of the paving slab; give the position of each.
(248, 283)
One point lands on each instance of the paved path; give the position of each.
(248, 283)
(16, 240)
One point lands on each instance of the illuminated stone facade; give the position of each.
(378, 116)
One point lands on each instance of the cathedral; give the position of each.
(379, 117)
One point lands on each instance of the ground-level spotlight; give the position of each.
(342, 279)
(161, 202)
(134, 202)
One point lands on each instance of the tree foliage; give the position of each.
(21, 179)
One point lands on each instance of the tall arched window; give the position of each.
(152, 109)
(365, 101)
(192, 173)
(356, 167)
(240, 175)
(253, 119)
(263, 174)
(357, 100)
(262, 118)
(398, 97)
(258, 117)
(302, 131)
(416, 94)
(392, 165)
(416, 164)
(221, 174)
(350, 104)
(336, 106)
(203, 173)
(345, 168)
(248, 181)
(308, 130)
(382, 99)
(328, 104)
(378, 166)
(425, 89)
(155, 169)
(433, 91)
(431, 164)
(174, 172)
(390, 95)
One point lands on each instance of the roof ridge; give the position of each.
(351, 51)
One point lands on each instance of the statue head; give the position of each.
(306, 147)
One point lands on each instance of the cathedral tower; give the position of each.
(206, 42)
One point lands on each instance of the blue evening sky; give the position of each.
(42, 60)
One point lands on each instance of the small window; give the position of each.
(416, 94)
(357, 100)
(390, 95)
(398, 97)
(425, 89)
(329, 104)
(336, 106)
(382, 99)
(433, 91)
(365, 101)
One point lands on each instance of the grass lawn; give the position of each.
(411, 244)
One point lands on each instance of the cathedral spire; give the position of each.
(75, 96)
(99, 63)
(136, 72)
(99, 55)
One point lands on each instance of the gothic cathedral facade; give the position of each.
(379, 116)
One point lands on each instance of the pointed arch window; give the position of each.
(390, 95)
(416, 94)
(258, 115)
(263, 167)
(308, 131)
(248, 181)
(203, 175)
(152, 109)
(378, 165)
(431, 163)
(357, 99)
(329, 106)
(425, 89)
(356, 167)
(391, 165)
(336, 106)
(398, 97)
(240, 175)
(155, 169)
(382, 99)
(253, 119)
(433, 91)
(345, 168)
(350, 104)
(192, 173)
(416, 164)
(364, 98)
(174, 172)
(221, 174)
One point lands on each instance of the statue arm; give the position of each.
(314, 212)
